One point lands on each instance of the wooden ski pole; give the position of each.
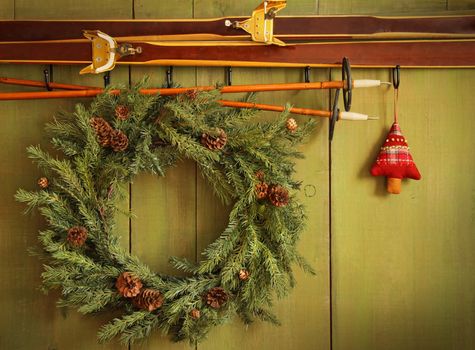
(225, 89)
(226, 103)
(36, 83)
(296, 110)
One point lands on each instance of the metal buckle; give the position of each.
(261, 23)
(106, 52)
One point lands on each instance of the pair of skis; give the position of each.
(261, 40)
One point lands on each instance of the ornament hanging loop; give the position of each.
(396, 81)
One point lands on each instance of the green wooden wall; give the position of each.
(394, 272)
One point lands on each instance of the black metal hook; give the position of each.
(169, 74)
(335, 113)
(48, 77)
(307, 74)
(107, 78)
(229, 76)
(396, 76)
(348, 87)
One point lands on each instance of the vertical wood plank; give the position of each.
(386, 7)
(72, 9)
(305, 313)
(163, 9)
(31, 319)
(26, 311)
(403, 263)
(165, 207)
(461, 5)
(7, 9)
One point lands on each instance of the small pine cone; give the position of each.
(119, 141)
(77, 235)
(278, 195)
(192, 94)
(291, 124)
(260, 175)
(216, 297)
(243, 275)
(262, 190)
(43, 182)
(195, 314)
(128, 285)
(103, 130)
(148, 299)
(216, 140)
(122, 112)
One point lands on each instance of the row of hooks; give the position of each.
(346, 77)
(346, 72)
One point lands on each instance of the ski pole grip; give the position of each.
(364, 83)
(352, 116)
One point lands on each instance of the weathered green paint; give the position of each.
(402, 266)
(165, 208)
(66, 9)
(461, 5)
(386, 7)
(6, 9)
(305, 314)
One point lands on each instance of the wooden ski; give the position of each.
(460, 53)
(287, 29)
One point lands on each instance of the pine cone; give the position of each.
(192, 94)
(260, 175)
(216, 297)
(128, 285)
(122, 112)
(278, 195)
(243, 275)
(77, 235)
(103, 130)
(148, 299)
(262, 190)
(291, 124)
(118, 141)
(216, 140)
(43, 182)
(195, 314)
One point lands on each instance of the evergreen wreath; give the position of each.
(104, 147)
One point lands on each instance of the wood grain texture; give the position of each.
(403, 263)
(7, 9)
(72, 9)
(144, 9)
(388, 7)
(305, 312)
(32, 320)
(461, 5)
(165, 209)
(165, 225)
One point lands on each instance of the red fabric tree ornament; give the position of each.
(394, 161)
